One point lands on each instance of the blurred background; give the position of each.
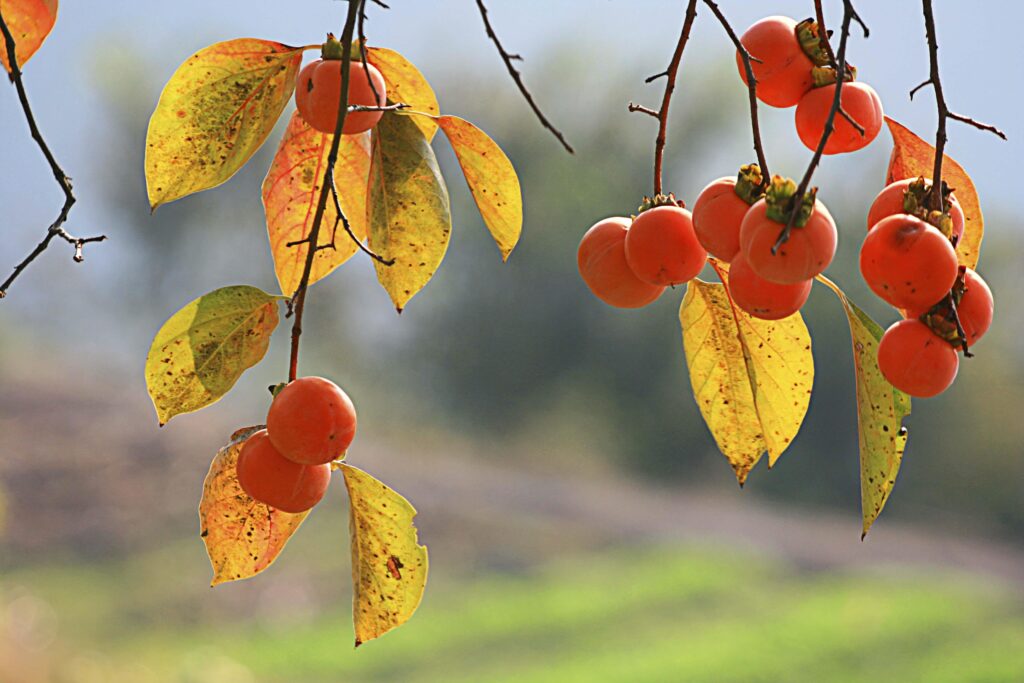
(581, 523)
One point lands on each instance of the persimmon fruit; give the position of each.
(976, 307)
(719, 211)
(859, 100)
(807, 253)
(915, 360)
(311, 421)
(601, 259)
(783, 69)
(662, 248)
(893, 200)
(272, 479)
(318, 90)
(762, 298)
(907, 262)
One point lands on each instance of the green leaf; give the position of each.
(491, 178)
(406, 84)
(202, 350)
(389, 566)
(410, 219)
(242, 536)
(214, 113)
(880, 412)
(751, 378)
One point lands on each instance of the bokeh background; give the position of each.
(581, 523)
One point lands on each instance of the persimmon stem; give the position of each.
(751, 89)
(518, 78)
(297, 303)
(56, 228)
(797, 200)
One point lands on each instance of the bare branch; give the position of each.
(642, 109)
(517, 77)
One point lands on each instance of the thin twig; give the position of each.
(751, 88)
(348, 228)
(823, 38)
(517, 77)
(56, 228)
(797, 199)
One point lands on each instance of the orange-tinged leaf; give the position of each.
(751, 378)
(242, 536)
(880, 412)
(389, 566)
(406, 84)
(291, 191)
(214, 113)
(492, 180)
(912, 157)
(409, 216)
(202, 350)
(29, 22)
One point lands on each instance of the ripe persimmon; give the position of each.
(907, 262)
(272, 479)
(915, 360)
(781, 67)
(662, 247)
(720, 208)
(318, 89)
(911, 196)
(762, 298)
(859, 100)
(976, 307)
(601, 259)
(311, 421)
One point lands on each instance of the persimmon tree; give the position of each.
(355, 174)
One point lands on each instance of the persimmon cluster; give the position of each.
(318, 91)
(311, 422)
(793, 67)
(909, 260)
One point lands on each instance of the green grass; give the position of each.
(661, 614)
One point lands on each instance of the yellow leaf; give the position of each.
(406, 84)
(202, 350)
(389, 566)
(751, 378)
(410, 220)
(912, 157)
(880, 412)
(291, 191)
(214, 113)
(491, 179)
(30, 22)
(242, 536)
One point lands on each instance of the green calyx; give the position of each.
(808, 34)
(942, 317)
(275, 389)
(826, 75)
(332, 48)
(750, 183)
(661, 200)
(779, 198)
(916, 202)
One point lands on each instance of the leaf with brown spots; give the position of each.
(912, 157)
(290, 194)
(407, 85)
(389, 566)
(214, 113)
(409, 216)
(880, 412)
(202, 350)
(242, 536)
(30, 22)
(752, 378)
(491, 178)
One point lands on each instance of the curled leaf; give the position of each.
(242, 536)
(880, 412)
(406, 84)
(202, 350)
(291, 191)
(751, 378)
(214, 113)
(912, 157)
(410, 219)
(389, 566)
(30, 22)
(491, 178)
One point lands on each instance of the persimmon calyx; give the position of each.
(332, 49)
(942, 318)
(750, 183)
(916, 200)
(779, 199)
(669, 199)
(826, 75)
(808, 34)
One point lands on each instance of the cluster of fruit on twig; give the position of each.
(311, 422)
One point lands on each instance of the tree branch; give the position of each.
(751, 88)
(56, 228)
(517, 77)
